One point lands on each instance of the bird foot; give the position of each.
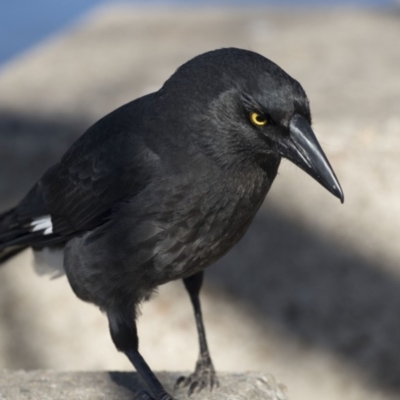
(203, 377)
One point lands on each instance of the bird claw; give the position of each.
(203, 377)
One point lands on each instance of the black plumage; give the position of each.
(165, 185)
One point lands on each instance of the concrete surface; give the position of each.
(51, 385)
(312, 293)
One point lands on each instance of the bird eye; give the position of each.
(258, 119)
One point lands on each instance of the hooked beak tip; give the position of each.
(304, 150)
(339, 194)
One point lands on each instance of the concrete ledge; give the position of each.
(51, 385)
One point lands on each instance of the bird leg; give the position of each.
(124, 334)
(204, 375)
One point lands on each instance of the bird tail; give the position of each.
(18, 231)
(27, 225)
(11, 235)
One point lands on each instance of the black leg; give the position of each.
(124, 334)
(204, 375)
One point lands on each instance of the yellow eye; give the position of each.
(258, 119)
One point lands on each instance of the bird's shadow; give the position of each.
(128, 381)
(322, 292)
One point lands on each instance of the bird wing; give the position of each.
(109, 163)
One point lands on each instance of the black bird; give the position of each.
(165, 185)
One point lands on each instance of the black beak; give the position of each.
(303, 149)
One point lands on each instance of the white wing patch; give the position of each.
(42, 224)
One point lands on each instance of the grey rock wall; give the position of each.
(50, 385)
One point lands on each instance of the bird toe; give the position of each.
(180, 382)
(201, 379)
(195, 387)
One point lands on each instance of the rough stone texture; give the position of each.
(50, 385)
(312, 293)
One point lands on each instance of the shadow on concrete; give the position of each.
(129, 381)
(322, 292)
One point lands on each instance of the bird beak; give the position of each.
(303, 149)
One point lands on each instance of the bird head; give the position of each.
(238, 102)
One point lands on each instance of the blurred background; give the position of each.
(312, 292)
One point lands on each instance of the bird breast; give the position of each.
(194, 225)
(174, 229)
